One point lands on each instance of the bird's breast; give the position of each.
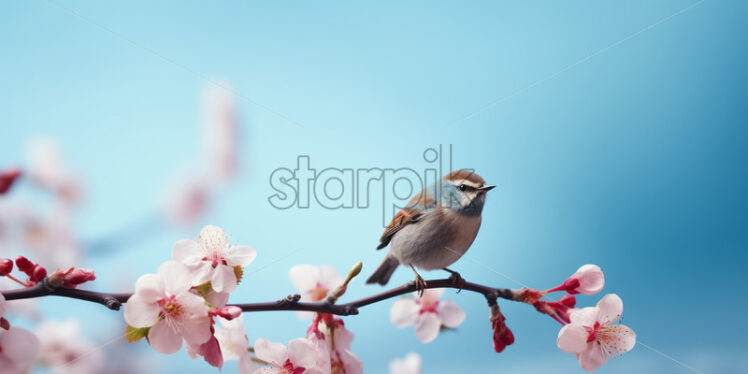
(437, 241)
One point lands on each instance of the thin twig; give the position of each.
(115, 300)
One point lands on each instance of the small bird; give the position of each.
(435, 229)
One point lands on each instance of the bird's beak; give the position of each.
(487, 188)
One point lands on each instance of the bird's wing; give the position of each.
(406, 216)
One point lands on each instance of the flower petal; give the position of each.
(196, 330)
(240, 255)
(139, 313)
(187, 251)
(585, 316)
(302, 353)
(404, 312)
(450, 313)
(431, 296)
(593, 356)
(274, 353)
(304, 277)
(223, 279)
(176, 277)
(591, 279)
(329, 277)
(572, 338)
(19, 345)
(150, 287)
(427, 327)
(611, 308)
(411, 364)
(617, 339)
(164, 338)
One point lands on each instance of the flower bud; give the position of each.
(6, 266)
(558, 310)
(4, 324)
(38, 274)
(229, 312)
(7, 178)
(502, 335)
(588, 279)
(78, 276)
(25, 265)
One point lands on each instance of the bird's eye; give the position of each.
(462, 187)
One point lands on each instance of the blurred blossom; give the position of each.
(221, 131)
(411, 364)
(65, 351)
(46, 168)
(186, 199)
(50, 237)
(314, 283)
(427, 313)
(234, 343)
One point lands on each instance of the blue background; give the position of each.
(633, 159)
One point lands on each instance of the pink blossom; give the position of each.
(186, 199)
(66, 351)
(213, 259)
(427, 313)
(300, 357)
(164, 303)
(221, 131)
(18, 348)
(588, 280)
(234, 343)
(313, 283)
(592, 336)
(47, 169)
(410, 364)
(330, 336)
(210, 351)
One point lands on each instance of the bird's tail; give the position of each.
(384, 271)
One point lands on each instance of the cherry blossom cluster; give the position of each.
(186, 297)
(185, 304)
(590, 333)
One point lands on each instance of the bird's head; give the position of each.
(464, 191)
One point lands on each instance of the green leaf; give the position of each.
(133, 334)
(204, 288)
(239, 272)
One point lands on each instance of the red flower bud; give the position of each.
(7, 178)
(229, 312)
(558, 310)
(77, 277)
(38, 274)
(4, 323)
(502, 336)
(25, 265)
(6, 266)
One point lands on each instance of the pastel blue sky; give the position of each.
(633, 159)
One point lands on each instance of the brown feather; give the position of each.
(465, 175)
(406, 216)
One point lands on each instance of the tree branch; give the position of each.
(291, 303)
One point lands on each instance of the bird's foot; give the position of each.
(456, 279)
(420, 285)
